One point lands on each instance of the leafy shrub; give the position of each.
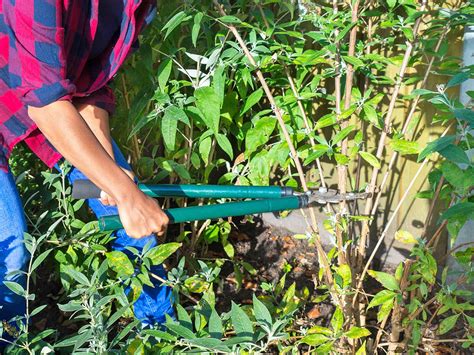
(263, 92)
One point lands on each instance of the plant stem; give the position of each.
(294, 154)
(406, 125)
(387, 128)
(306, 123)
(389, 223)
(136, 147)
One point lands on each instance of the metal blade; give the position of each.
(324, 196)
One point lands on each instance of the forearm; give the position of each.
(69, 133)
(98, 121)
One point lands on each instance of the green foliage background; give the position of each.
(191, 110)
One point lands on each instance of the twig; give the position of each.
(163, 281)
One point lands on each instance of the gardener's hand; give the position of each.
(108, 200)
(141, 215)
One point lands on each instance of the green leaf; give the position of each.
(462, 180)
(318, 151)
(371, 159)
(326, 121)
(229, 19)
(210, 343)
(385, 310)
(357, 332)
(262, 315)
(405, 147)
(120, 263)
(196, 27)
(344, 271)
(356, 62)
(225, 144)
(240, 321)
(259, 135)
(15, 288)
(342, 134)
(391, 3)
(205, 149)
(228, 248)
(38, 260)
(464, 115)
(215, 325)
(463, 209)
(79, 277)
(388, 281)
(314, 339)
(381, 297)
(361, 350)
(436, 146)
(77, 340)
(184, 318)
(207, 101)
(160, 334)
(169, 126)
(196, 284)
(344, 31)
(337, 320)
(317, 329)
(405, 237)
(252, 100)
(162, 252)
(180, 330)
(458, 79)
(447, 324)
(164, 72)
(371, 114)
(455, 154)
(174, 22)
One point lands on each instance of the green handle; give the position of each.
(198, 213)
(85, 189)
(215, 191)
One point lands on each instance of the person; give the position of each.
(57, 58)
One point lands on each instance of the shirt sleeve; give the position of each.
(37, 60)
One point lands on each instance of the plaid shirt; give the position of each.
(44, 57)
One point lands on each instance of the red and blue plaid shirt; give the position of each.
(45, 48)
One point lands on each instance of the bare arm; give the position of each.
(98, 121)
(66, 129)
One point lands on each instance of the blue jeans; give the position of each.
(150, 308)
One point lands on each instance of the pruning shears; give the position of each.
(264, 199)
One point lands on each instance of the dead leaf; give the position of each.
(314, 313)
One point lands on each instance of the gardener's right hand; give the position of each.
(141, 215)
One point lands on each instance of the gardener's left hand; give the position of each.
(107, 200)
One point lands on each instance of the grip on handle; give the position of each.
(85, 189)
(198, 213)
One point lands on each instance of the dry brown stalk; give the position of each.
(294, 155)
(390, 221)
(397, 311)
(342, 169)
(406, 125)
(337, 84)
(387, 124)
(306, 122)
